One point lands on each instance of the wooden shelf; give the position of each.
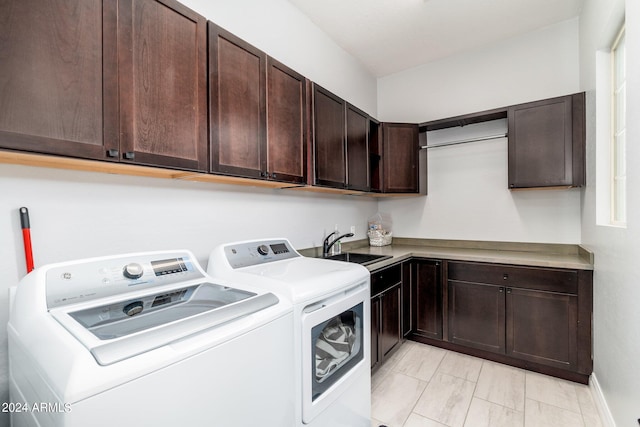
(66, 163)
(46, 161)
(232, 180)
(466, 119)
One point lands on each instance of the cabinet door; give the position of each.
(357, 149)
(329, 138)
(375, 331)
(407, 298)
(286, 124)
(237, 110)
(375, 155)
(476, 315)
(162, 80)
(546, 143)
(58, 77)
(542, 327)
(400, 158)
(390, 333)
(427, 310)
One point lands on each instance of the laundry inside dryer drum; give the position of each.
(338, 346)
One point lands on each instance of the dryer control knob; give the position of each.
(133, 308)
(263, 249)
(133, 271)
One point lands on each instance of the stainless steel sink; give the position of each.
(363, 259)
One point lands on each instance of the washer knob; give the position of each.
(133, 308)
(263, 249)
(133, 271)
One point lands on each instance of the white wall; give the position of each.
(76, 214)
(537, 65)
(617, 250)
(468, 197)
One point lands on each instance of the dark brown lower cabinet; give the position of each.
(538, 316)
(531, 317)
(407, 298)
(476, 315)
(541, 326)
(426, 319)
(386, 312)
(375, 330)
(390, 334)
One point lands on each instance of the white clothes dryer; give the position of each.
(147, 339)
(331, 325)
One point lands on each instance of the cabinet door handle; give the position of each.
(501, 290)
(273, 175)
(505, 276)
(129, 155)
(509, 290)
(112, 153)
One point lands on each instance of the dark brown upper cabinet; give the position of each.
(237, 105)
(329, 136)
(546, 140)
(258, 112)
(162, 84)
(287, 113)
(375, 155)
(358, 176)
(105, 80)
(341, 142)
(53, 98)
(546, 143)
(400, 158)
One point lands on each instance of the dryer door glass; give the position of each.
(337, 346)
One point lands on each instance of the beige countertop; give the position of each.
(530, 254)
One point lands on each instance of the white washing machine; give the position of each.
(147, 339)
(331, 325)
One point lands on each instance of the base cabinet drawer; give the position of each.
(538, 278)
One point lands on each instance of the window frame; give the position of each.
(618, 145)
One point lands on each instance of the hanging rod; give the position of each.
(464, 141)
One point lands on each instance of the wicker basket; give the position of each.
(379, 237)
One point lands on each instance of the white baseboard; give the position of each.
(601, 403)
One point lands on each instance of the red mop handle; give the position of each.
(26, 237)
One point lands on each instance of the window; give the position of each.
(618, 127)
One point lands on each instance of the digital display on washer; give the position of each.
(279, 248)
(168, 266)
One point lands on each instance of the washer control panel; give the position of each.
(98, 278)
(246, 254)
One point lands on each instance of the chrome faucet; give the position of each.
(326, 245)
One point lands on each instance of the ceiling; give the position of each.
(388, 36)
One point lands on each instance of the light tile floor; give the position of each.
(425, 386)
